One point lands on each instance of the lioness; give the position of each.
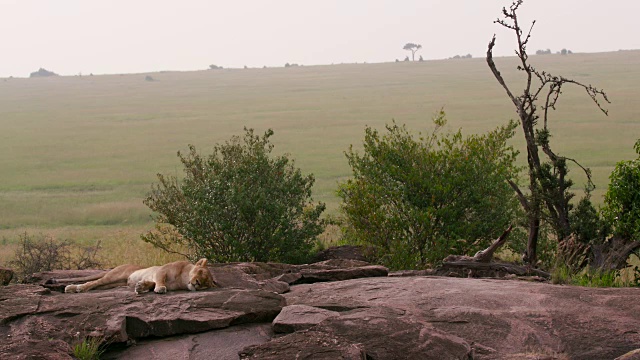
(179, 275)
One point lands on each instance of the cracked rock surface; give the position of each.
(374, 318)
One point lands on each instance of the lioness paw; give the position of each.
(70, 289)
(160, 289)
(140, 288)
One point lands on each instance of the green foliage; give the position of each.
(418, 200)
(586, 223)
(622, 200)
(89, 349)
(596, 278)
(636, 276)
(562, 274)
(237, 204)
(547, 247)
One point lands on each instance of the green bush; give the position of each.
(237, 204)
(622, 200)
(415, 201)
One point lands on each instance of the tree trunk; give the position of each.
(613, 253)
(481, 264)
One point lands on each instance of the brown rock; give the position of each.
(5, 276)
(307, 344)
(300, 317)
(340, 274)
(383, 333)
(223, 344)
(31, 314)
(236, 277)
(631, 355)
(375, 333)
(502, 319)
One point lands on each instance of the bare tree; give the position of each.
(413, 48)
(548, 197)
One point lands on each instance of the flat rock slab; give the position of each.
(223, 344)
(497, 319)
(300, 317)
(31, 315)
(306, 344)
(373, 333)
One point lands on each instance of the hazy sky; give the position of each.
(125, 36)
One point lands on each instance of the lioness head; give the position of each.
(200, 277)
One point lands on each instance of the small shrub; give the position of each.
(561, 275)
(45, 253)
(596, 278)
(89, 349)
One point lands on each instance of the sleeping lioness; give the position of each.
(179, 275)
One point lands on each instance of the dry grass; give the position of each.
(79, 154)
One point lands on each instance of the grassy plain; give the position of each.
(78, 154)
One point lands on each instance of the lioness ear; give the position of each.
(202, 262)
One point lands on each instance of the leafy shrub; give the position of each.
(418, 200)
(622, 200)
(45, 253)
(237, 204)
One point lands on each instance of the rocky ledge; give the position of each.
(337, 309)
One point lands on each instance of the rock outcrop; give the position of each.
(41, 321)
(271, 311)
(32, 317)
(496, 319)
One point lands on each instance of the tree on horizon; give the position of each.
(413, 48)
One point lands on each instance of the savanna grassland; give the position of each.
(78, 154)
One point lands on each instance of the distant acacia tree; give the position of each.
(413, 48)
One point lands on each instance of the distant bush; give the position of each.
(45, 253)
(149, 78)
(468, 56)
(237, 204)
(215, 67)
(290, 65)
(42, 72)
(543, 52)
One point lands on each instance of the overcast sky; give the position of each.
(131, 36)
